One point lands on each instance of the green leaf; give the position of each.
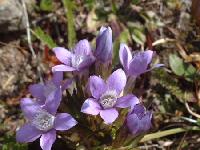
(138, 36)
(176, 64)
(114, 7)
(14, 146)
(182, 69)
(9, 143)
(198, 122)
(69, 8)
(190, 72)
(90, 4)
(172, 85)
(43, 37)
(135, 2)
(46, 5)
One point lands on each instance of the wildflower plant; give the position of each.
(106, 96)
(99, 97)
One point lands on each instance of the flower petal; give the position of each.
(82, 47)
(146, 121)
(37, 91)
(88, 61)
(27, 133)
(133, 124)
(63, 55)
(97, 86)
(129, 100)
(62, 68)
(47, 140)
(102, 29)
(139, 110)
(109, 115)
(117, 80)
(125, 56)
(140, 62)
(67, 83)
(53, 101)
(91, 106)
(64, 121)
(30, 108)
(57, 78)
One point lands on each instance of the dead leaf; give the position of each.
(196, 10)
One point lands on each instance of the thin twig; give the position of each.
(10, 79)
(190, 111)
(182, 51)
(28, 29)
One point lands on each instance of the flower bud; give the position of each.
(103, 50)
(139, 120)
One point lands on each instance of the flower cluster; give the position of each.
(104, 94)
(41, 112)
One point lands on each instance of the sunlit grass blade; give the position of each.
(69, 8)
(44, 37)
(161, 134)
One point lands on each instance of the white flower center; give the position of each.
(50, 87)
(43, 121)
(108, 99)
(77, 60)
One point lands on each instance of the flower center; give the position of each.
(108, 99)
(77, 60)
(50, 87)
(43, 121)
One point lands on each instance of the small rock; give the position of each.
(15, 70)
(12, 15)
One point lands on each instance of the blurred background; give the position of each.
(29, 29)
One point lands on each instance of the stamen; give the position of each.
(43, 121)
(108, 99)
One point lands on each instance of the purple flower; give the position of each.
(106, 96)
(81, 58)
(139, 120)
(47, 92)
(138, 64)
(42, 123)
(103, 50)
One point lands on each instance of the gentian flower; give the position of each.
(106, 96)
(139, 120)
(50, 89)
(42, 123)
(81, 58)
(103, 50)
(138, 64)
